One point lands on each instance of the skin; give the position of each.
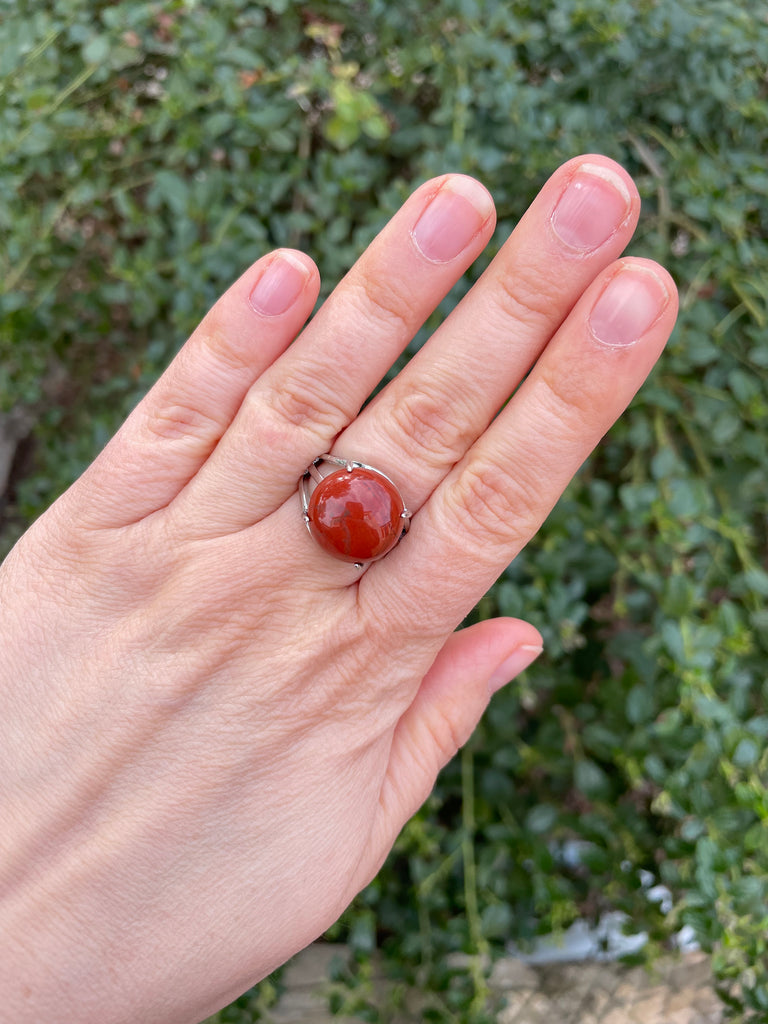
(211, 732)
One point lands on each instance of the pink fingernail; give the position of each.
(452, 219)
(592, 208)
(633, 300)
(279, 286)
(512, 666)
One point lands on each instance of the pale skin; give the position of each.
(211, 732)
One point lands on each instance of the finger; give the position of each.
(497, 497)
(473, 664)
(424, 421)
(174, 429)
(298, 407)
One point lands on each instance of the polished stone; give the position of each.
(356, 515)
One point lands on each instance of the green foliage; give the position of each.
(150, 151)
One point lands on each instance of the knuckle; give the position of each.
(173, 421)
(492, 506)
(447, 736)
(304, 401)
(526, 299)
(567, 394)
(436, 427)
(386, 305)
(216, 339)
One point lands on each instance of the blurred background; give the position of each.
(149, 151)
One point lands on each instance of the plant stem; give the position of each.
(479, 945)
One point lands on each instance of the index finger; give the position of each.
(494, 500)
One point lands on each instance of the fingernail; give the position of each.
(632, 301)
(512, 666)
(452, 219)
(279, 286)
(592, 208)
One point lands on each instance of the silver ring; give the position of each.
(355, 512)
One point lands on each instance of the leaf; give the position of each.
(96, 50)
(746, 754)
(640, 705)
(496, 921)
(541, 819)
(591, 780)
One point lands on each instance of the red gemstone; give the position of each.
(356, 515)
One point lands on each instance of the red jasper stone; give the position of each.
(356, 514)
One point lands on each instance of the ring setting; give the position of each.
(355, 512)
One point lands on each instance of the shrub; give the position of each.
(152, 150)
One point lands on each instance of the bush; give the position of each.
(151, 150)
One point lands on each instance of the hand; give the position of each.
(211, 730)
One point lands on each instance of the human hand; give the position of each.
(211, 730)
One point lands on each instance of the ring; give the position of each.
(355, 513)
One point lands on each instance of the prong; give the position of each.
(304, 493)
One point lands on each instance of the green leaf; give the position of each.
(746, 754)
(96, 50)
(362, 935)
(541, 819)
(496, 921)
(640, 705)
(591, 780)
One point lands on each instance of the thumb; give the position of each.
(471, 666)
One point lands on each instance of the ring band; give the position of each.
(355, 513)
